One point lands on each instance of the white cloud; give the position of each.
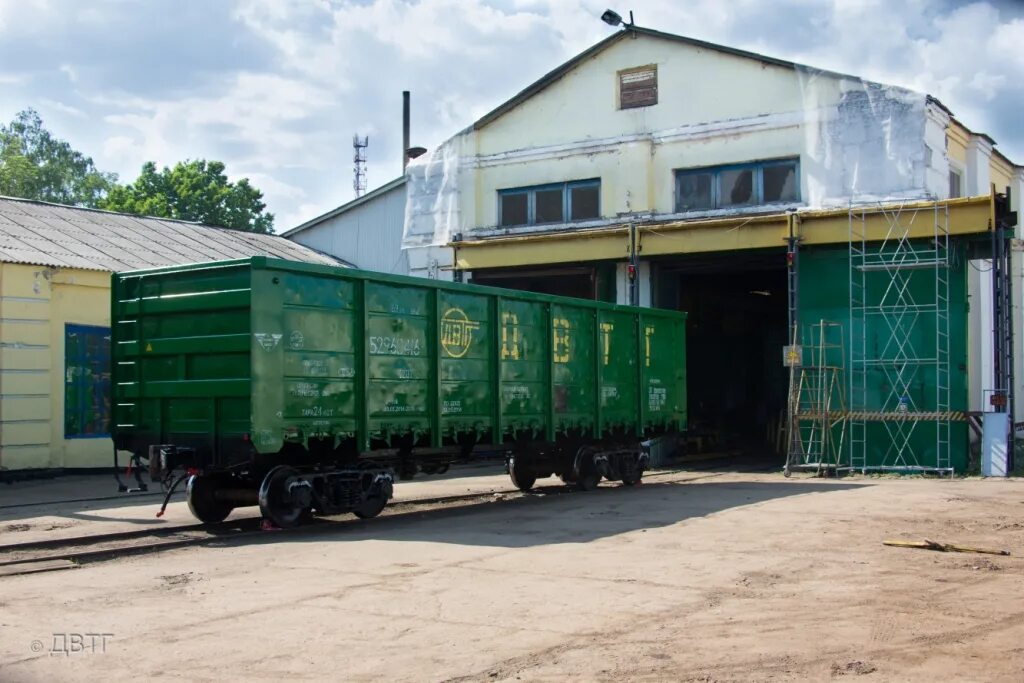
(69, 71)
(54, 105)
(250, 113)
(333, 68)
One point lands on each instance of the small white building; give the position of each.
(366, 232)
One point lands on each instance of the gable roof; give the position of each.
(358, 201)
(633, 30)
(55, 235)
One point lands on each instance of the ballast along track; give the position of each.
(57, 554)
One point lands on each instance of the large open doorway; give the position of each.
(592, 281)
(736, 329)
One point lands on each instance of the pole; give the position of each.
(405, 129)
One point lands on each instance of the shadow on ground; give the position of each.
(553, 516)
(76, 498)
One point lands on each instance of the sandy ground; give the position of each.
(692, 576)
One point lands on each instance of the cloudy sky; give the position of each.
(277, 88)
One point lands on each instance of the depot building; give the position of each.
(843, 247)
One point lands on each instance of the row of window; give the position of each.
(558, 203)
(717, 187)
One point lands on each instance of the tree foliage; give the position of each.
(195, 190)
(36, 165)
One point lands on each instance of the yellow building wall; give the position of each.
(1000, 173)
(36, 302)
(956, 145)
(1000, 170)
(638, 176)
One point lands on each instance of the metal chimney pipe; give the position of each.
(405, 129)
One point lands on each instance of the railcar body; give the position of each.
(306, 388)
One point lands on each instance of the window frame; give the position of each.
(758, 183)
(955, 171)
(104, 411)
(531, 201)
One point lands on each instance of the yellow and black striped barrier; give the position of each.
(886, 415)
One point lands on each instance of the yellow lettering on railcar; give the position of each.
(606, 341)
(561, 342)
(510, 336)
(457, 332)
(648, 333)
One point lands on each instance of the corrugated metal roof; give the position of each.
(44, 234)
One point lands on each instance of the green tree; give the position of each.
(36, 165)
(196, 190)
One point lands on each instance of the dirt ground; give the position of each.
(689, 577)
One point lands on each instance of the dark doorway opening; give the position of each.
(736, 330)
(582, 282)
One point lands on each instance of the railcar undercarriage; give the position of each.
(290, 493)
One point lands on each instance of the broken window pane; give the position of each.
(584, 201)
(736, 187)
(781, 183)
(694, 192)
(513, 209)
(549, 206)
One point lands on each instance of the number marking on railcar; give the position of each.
(657, 397)
(394, 346)
(305, 390)
(515, 392)
(315, 366)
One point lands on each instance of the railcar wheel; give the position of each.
(589, 476)
(631, 473)
(277, 503)
(373, 505)
(199, 494)
(523, 476)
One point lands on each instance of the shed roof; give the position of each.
(61, 236)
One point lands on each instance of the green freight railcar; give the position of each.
(305, 388)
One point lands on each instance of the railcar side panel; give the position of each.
(523, 393)
(465, 365)
(572, 369)
(617, 369)
(253, 355)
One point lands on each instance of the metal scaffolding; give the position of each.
(817, 424)
(899, 394)
(1002, 398)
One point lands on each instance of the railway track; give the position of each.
(57, 554)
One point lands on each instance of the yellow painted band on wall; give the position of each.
(969, 215)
